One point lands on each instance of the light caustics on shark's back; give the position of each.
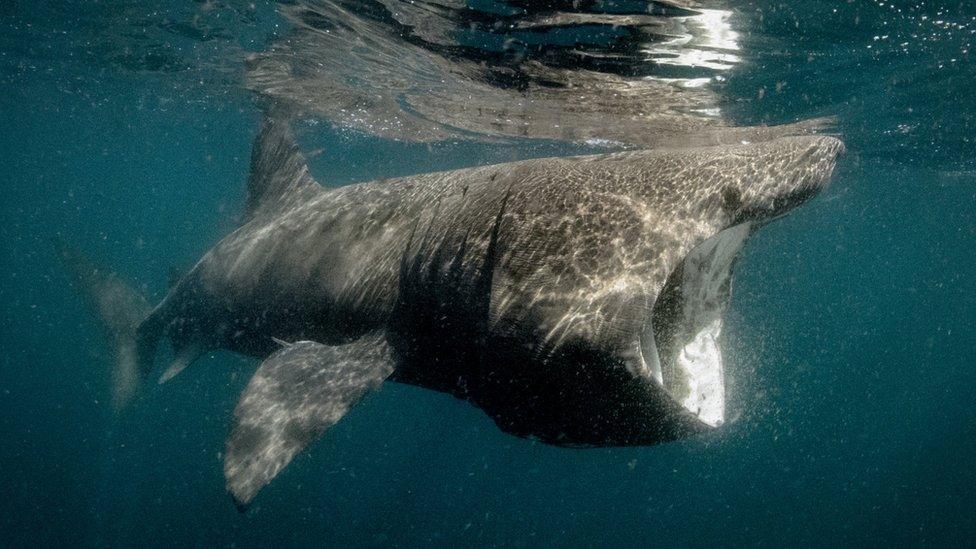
(576, 300)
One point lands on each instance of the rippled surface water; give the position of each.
(127, 128)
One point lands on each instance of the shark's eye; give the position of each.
(731, 198)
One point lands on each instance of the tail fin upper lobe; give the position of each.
(121, 310)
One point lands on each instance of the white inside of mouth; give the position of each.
(695, 374)
(701, 363)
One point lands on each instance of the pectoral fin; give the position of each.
(296, 394)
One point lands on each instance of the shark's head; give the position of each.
(739, 189)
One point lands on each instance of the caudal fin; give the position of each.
(120, 310)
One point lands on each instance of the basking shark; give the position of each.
(576, 300)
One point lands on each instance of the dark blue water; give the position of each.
(852, 331)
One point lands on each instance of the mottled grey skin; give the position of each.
(525, 288)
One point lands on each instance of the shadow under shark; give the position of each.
(575, 300)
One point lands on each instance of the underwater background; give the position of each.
(851, 336)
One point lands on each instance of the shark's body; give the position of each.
(576, 300)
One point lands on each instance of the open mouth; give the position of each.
(681, 345)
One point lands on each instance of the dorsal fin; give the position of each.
(279, 173)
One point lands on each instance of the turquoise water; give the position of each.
(851, 332)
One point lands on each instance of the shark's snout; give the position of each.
(787, 173)
(815, 164)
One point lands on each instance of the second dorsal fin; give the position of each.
(279, 172)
